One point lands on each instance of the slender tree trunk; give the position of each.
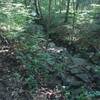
(60, 5)
(40, 10)
(48, 23)
(36, 7)
(75, 9)
(67, 11)
(49, 15)
(55, 2)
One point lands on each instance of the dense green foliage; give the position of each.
(31, 25)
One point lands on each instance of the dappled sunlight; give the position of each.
(49, 49)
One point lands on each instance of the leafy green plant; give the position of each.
(31, 82)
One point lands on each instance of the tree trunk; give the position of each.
(49, 16)
(40, 11)
(67, 11)
(36, 7)
(75, 8)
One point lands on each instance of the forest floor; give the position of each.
(12, 87)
